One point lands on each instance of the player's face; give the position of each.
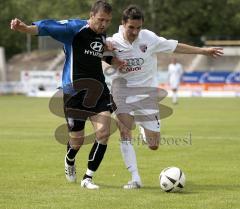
(100, 21)
(132, 29)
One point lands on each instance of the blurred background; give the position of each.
(32, 65)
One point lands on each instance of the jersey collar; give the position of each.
(121, 30)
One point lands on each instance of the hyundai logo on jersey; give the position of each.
(96, 46)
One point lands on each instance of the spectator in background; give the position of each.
(175, 71)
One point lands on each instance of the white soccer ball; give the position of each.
(172, 179)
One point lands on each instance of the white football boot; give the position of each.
(133, 185)
(88, 184)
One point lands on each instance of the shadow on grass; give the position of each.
(190, 188)
(213, 187)
(147, 189)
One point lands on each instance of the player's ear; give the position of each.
(91, 14)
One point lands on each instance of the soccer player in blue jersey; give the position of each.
(84, 42)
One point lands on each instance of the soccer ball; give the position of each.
(172, 179)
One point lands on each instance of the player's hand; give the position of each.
(118, 63)
(18, 25)
(214, 52)
(109, 46)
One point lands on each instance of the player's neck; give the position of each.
(91, 26)
(127, 39)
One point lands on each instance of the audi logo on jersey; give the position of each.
(97, 46)
(135, 62)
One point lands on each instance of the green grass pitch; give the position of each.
(32, 169)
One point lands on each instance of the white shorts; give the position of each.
(143, 108)
(149, 120)
(174, 83)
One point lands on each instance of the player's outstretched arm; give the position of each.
(187, 49)
(20, 26)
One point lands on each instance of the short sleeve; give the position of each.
(160, 44)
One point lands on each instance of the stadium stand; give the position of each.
(50, 57)
(36, 60)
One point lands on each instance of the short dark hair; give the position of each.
(101, 5)
(132, 12)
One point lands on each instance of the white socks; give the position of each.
(130, 160)
(174, 97)
(90, 172)
(142, 132)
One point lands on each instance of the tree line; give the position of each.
(190, 21)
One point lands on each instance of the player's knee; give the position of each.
(103, 135)
(153, 147)
(153, 144)
(125, 134)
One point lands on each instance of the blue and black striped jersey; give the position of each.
(83, 49)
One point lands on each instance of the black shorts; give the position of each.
(79, 107)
